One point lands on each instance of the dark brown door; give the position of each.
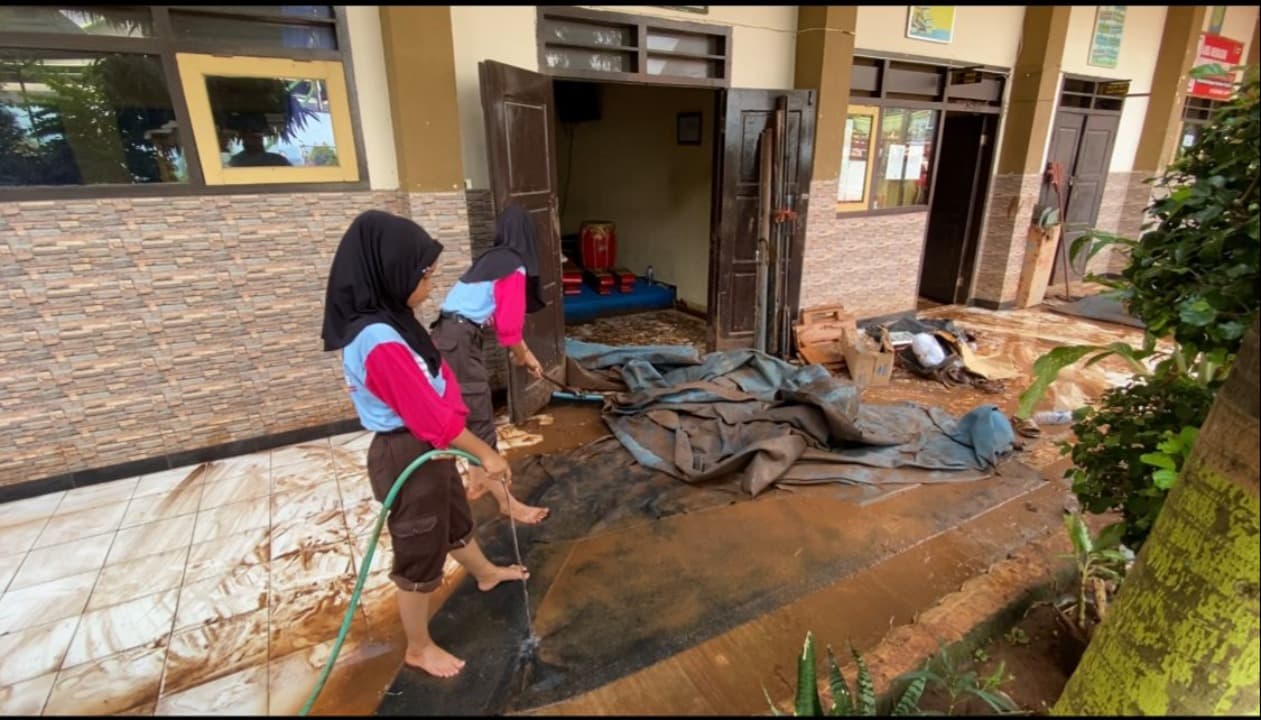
(733, 247)
(954, 220)
(1082, 142)
(520, 116)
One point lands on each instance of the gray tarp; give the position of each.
(746, 413)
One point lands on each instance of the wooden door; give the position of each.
(733, 246)
(1082, 142)
(519, 114)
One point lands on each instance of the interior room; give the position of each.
(635, 169)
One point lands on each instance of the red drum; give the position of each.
(598, 244)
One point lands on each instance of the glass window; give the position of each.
(272, 121)
(269, 120)
(252, 33)
(902, 171)
(84, 20)
(85, 119)
(851, 186)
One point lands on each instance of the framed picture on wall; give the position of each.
(934, 23)
(688, 128)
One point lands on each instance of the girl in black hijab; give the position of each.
(499, 290)
(405, 393)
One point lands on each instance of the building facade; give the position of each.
(174, 180)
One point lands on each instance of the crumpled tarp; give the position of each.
(765, 421)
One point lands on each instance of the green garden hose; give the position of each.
(367, 564)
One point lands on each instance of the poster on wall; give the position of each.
(1215, 50)
(935, 23)
(1105, 44)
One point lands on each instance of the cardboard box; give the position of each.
(819, 334)
(869, 364)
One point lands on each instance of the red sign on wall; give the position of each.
(1215, 50)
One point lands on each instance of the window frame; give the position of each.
(165, 45)
(195, 68)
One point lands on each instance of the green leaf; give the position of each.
(1078, 533)
(909, 704)
(842, 701)
(1164, 479)
(807, 686)
(866, 688)
(1110, 536)
(1158, 459)
(1188, 435)
(1045, 369)
(1197, 312)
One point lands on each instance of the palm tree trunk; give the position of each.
(1182, 638)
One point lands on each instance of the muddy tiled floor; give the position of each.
(220, 587)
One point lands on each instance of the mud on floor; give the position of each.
(661, 327)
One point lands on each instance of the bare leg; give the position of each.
(422, 652)
(487, 573)
(522, 513)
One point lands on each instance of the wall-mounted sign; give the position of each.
(935, 23)
(1113, 88)
(967, 76)
(1105, 44)
(1215, 50)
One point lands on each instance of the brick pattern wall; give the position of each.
(144, 326)
(1121, 211)
(869, 264)
(1002, 250)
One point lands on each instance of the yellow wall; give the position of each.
(628, 168)
(763, 40)
(982, 34)
(364, 25)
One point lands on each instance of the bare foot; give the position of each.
(433, 660)
(500, 573)
(526, 514)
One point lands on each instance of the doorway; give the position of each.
(756, 219)
(1082, 139)
(635, 162)
(957, 208)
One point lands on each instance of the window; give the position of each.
(886, 153)
(259, 120)
(902, 168)
(856, 146)
(577, 42)
(74, 118)
(173, 96)
(1196, 113)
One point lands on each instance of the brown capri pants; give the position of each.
(460, 342)
(430, 516)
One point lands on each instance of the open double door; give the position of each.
(520, 116)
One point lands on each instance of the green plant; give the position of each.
(959, 684)
(1016, 636)
(860, 701)
(1170, 456)
(1113, 458)
(1099, 560)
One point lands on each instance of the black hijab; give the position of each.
(514, 247)
(378, 264)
